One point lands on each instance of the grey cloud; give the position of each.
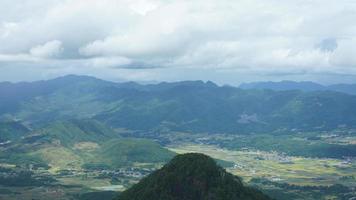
(158, 38)
(328, 44)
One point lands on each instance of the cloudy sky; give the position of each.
(164, 40)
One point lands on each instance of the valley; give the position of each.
(82, 138)
(70, 158)
(177, 100)
(273, 166)
(277, 173)
(256, 167)
(65, 183)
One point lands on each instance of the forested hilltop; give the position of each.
(191, 177)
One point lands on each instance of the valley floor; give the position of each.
(280, 175)
(279, 167)
(275, 169)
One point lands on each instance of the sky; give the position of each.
(224, 41)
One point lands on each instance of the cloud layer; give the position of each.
(153, 39)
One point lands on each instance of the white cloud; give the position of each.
(7, 29)
(142, 7)
(343, 58)
(17, 58)
(111, 62)
(246, 36)
(48, 50)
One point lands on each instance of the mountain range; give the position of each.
(81, 123)
(190, 106)
(303, 86)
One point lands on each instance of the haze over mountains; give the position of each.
(72, 127)
(159, 100)
(194, 106)
(304, 86)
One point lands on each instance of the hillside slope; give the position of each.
(79, 144)
(11, 130)
(191, 177)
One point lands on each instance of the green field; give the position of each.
(298, 172)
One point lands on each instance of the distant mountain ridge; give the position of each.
(191, 177)
(190, 106)
(303, 86)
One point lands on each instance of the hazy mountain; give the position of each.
(191, 177)
(11, 94)
(12, 130)
(193, 106)
(346, 88)
(303, 86)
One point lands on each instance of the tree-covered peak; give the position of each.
(191, 177)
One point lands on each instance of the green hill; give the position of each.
(72, 131)
(191, 177)
(127, 151)
(81, 144)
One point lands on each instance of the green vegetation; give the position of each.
(77, 144)
(70, 132)
(191, 106)
(84, 132)
(11, 130)
(122, 152)
(288, 191)
(68, 159)
(18, 178)
(58, 157)
(104, 195)
(286, 177)
(191, 177)
(291, 144)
